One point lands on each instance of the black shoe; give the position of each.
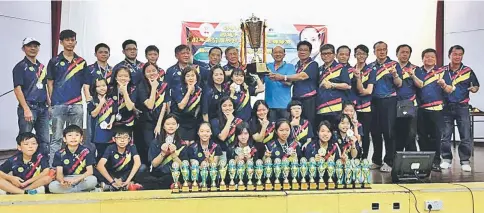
(436, 167)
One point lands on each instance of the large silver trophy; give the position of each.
(253, 32)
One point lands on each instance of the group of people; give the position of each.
(143, 118)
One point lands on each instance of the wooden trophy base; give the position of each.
(250, 187)
(241, 188)
(277, 187)
(259, 188)
(223, 187)
(204, 189)
(268, 187)
(213, 189)
(313, 186)
(185, 189)
(232, 188)
(286, 186)
(304, 186)
(195, 189)
(322, 186)
(295, 186)
(331, 185)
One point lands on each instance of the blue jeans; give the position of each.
(40, 122)
(63, 115)
(459, 113)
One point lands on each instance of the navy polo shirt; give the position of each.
(96, 72)
(331, 100)
(353, 92)
(196, 151)
(119, 163)
(368, 76)
(25, 170)
(302, 132)
(243, 107)
(109, 109)
(277, 94)
(431, 95)
(203, 71)
(126, 117)
(308, 87)
(345, 144)
(28, 76)
(136, 69)
(192, 109)
(255, 127)
(74, 163)
(211, 100)
(408, 90)
(462, 80)
(173, 75)
(68, 77)
(384, 87)
(277, 151)
(165, 167)
(217, 128)
(161, 96)
(313, 148)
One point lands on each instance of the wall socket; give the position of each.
(436, 205)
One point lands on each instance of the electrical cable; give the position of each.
(472, 194)
(414, 197)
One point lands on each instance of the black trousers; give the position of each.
(430, 124)
(365, 119)
(309, 109)
(143, 136)
(384, 114)
(405, 133)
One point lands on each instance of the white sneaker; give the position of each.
(3, 192)
(40, 190)
(466, 168)
(445, 165)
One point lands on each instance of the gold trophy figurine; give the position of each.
(213, 176)
(304, 171)
(259, 171)
(330, 168)
(285, 173)
(194, 175)
(253, 30)
(339, 174)
(240, 174)
(312, 174)
(232, 172)
(185, 171)
(175, 173)
(223, 173)
(277, 174)
(294, 174)
(268, 173)
(250, 175)
(322, 167)
(204, 175)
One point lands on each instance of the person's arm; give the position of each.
(89, 172)
(134, 170)
(87, 92)
(397, 80)
(50, 88)
(60, 174)
(183, 103)
(150, 102)
(259, 136)
(162, 115)
(158, 159)
(226, 130)
(260, 86)
(50, 78)
(23, 103)
(101, 167)
(97, 110)
(416, 80)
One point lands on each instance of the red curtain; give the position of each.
(439, 33)
(56, 11)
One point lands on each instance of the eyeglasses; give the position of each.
(327, 53)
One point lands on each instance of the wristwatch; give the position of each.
(285, 77)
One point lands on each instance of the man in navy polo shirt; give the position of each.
(65, 77)
(29, 81)
(278, 93)
(456, 108)
(384, 106)
(305, 81)
(232, 56)
(173, 74)
(130, 50)
(100, 69)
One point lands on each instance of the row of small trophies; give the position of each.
(349, 175)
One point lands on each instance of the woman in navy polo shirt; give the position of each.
(205, 149)
(152, 98)
(301, 129)
(242, 148)
(261, 127)
(123, 91)
(213, 92)
(325, 147)
(223, 127)
(240, 93)
(186, 104)
(348, 138)
(283, 146)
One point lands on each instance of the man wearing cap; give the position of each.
(30, 90)
(66, 74)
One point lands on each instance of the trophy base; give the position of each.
(250, 187)
(322, 186)
(359, 186)
(286, 186)
(313, 186)
(367, 186)
(295, 186)
(223, 188)
(213, 189)
(257, 68)
(268, 187)
(195, 189)
(340, 186)
(331, 185)
(277, 187)
(204, 189)
(304, 186)
(232, 188)
(259, 188)
(175, 190)
(241, 188)
(185, 189)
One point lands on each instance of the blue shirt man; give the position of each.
(278, 94)
(29, 81)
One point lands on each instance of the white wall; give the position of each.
(17, 21)
(464, 25)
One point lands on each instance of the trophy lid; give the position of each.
(259, 162)
(277, 161)
(303, 160)
(194, 162)
(185, 163)
(312, 160)
(213, 165)
(204, 164)
(175, 165)
(268, 161)
(240, 163)
(222, 163)
(250, 162)
(253, 18)
(231, 162)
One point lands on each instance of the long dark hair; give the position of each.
(222, 119)
(327, 124)
(211, 82)
(238, 71)
(162, 136)
(93, 90)
(238, 130)
(278, 125)
(341, 118)
(113, 86)
(254, 112)
(145, 80)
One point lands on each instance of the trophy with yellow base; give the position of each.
(303, 168)
(365, 167)
(185, 171)
(295, 174)
(213, 176)
(223, 173)
(240, 174)
(330, 168)
(277, 174)
(194, 176)
(259, 171)
(268, 174)
(250, 175)
(204, 175)
(232, 172)
(357, 175)
(322, 167)
(312, 174)
(175, 173)
(348, 174)
(339, 174)
(285, 173)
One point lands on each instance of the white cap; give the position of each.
(29, 40)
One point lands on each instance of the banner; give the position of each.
(207, 35)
